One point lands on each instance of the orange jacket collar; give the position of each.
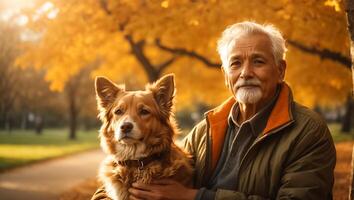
(280, 115)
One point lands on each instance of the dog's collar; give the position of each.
(140, 163)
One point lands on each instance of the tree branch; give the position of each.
(137, 49)
(323, 53)
(104, 6)
(153, 71)
(165, 64)
(350, 18)
(185, 52)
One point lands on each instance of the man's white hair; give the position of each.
(227, 40)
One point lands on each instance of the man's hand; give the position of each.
(164, 189)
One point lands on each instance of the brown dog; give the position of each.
(137, 134)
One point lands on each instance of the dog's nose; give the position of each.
(126, 127)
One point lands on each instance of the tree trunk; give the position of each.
(137, 49)
(74, 94)
(24, 120)
(38, 124)
(349, 105)
(72, 111)
(350, 17)
(153, 75)
(8, 125)
(347, 118)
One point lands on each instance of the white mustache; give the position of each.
(248, 82)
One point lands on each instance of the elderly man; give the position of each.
(259, 144)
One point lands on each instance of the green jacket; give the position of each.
(293, 158)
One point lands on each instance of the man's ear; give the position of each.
(281, 68)
(106, 91)
(164, 92)
(226, 78)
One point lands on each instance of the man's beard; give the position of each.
(248, 95)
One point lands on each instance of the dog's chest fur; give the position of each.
(118, 179)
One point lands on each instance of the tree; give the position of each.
(138, 41)
(350, 16)
(17, 99)
(77, 92)
(349, 115)
(8, 52)
(35, 99)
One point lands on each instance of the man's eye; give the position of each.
(235, 64)
(259, 61)
(119, 112)
(144, 112)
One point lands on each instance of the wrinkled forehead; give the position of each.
(137, 97)
(258, 43)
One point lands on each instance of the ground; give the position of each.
(49, 179)
(342, 170)
(81, 192)
(340, 189)
(23, 147)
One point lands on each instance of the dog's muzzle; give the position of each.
(126, 127)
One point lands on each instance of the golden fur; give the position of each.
(149, 131)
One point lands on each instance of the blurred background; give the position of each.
(51, 51)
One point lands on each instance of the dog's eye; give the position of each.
(118, 112)
(144, 112)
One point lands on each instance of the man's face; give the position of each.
(252, 74)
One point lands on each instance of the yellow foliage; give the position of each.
(83, 32)
(164, 4)
(317, 82)
(333, 3)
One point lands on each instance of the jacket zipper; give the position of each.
(259, 140)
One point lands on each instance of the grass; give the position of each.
(22, 147)
(338, 135)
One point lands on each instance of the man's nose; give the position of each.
(126, 127)
(246, 71)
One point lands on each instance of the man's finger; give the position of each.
(131, 197)
(140, 194)
(164, 181)
(142, 186)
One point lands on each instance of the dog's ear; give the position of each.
(164, 92)
(106, 91)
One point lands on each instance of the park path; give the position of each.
(48, 179)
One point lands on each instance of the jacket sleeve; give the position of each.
(308, 172)
(194, 142)
(234, 195)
